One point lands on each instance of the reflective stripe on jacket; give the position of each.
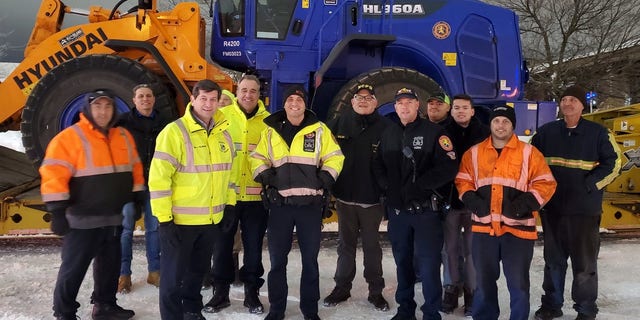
(191, 177)
(245, 134)
(499, 179)
(297, 167)
(95, 173)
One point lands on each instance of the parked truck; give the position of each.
(328, 46)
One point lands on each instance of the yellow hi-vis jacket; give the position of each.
(245, 134)
(191, 178)
(297, 168)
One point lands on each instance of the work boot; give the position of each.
(468, 303)
(252, 301)
(450, 300)
(545, 313)
(336, 296)
(399, 316)
(312, 317)
(219, 301)
(106, 311)
(378, 301)
(236, 268)
(582, 316)
(153, 278)
(124, 284)
(193, 316)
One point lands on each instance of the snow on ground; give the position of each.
(28, 274)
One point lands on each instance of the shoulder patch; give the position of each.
(445, 143)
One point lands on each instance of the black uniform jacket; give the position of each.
(358, 137)
(432, 152)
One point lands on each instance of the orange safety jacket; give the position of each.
(96, 174)
(499, 179)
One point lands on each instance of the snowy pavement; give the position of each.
(28, 272)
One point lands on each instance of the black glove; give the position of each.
(267, 177)
(523, 206)
(326, 179)
(59, 223)
(326, 204)
(475, 203)
(273, 196)
(169, 233)
(228, 219)
(414, 207)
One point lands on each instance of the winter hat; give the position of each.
(504, 111)
(442, 97)
(406, 93)
(99, 93)
(298, 90)
(576, 91)
(367, 87)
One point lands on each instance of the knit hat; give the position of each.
(298, 90)
(406, 93)
(442, 97)
(577, 92)
(367, 87)
(504, 111)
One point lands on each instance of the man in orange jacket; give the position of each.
(90, 170)
(504, 182)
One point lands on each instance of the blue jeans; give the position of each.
(150, 234)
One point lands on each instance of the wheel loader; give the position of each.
(328, 46)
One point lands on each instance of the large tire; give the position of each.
(386, 81)
(57, 99)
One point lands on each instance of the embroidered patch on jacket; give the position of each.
(309, 142)
(445, 143)
(418, 142)
(223, 147)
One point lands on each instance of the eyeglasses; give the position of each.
(365, 98)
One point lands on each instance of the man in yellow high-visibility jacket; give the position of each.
(192, 192)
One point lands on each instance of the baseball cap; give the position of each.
(442, 97)
(99, 93)
(367, 87)
(406, 93)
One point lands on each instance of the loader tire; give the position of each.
(385, 81)
(57, 99)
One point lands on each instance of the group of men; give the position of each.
(454, 192)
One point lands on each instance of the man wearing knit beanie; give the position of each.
(504, 111)
(584, 158)
(576, 92)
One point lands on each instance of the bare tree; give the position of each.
(586, 42)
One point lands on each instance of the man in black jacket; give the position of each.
(465, 131)
(360, 212)
(144, 123)
(414, 158)
(583, 158)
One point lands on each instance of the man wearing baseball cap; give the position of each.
(438, 107)
(584, 158)
(414, 158)
(358, 132)
(84, 186)
(297, 161)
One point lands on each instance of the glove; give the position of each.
(522, 206)
(59, 223)
(169, 233)
(326, 204)
(267, 177)
(475, 203)
(414, 207)
(326, 179)
(273, 197)
(228, 219)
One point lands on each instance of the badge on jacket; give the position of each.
(418, 142)
(309, 142)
